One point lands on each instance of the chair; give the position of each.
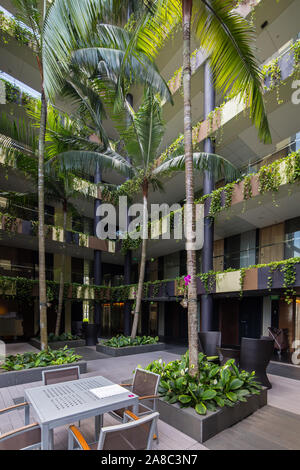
(145, 385)
(209, 341)
(26, 437)
(66, 374)
(256, 355)
(133, 434)
(56, 376)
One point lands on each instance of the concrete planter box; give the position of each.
(251, 280)
(18, 377)
(77, 343)
(277, 276)
(228, 282)
(202, 428)
(129, 350)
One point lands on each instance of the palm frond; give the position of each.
(229, 39)
(216, 165)
(89, 161)
(143, 138)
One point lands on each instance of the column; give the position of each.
(208, 187)
(97, 255)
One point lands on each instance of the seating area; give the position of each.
(120, 428)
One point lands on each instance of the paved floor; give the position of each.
(276, 426)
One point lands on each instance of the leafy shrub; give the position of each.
(50, 357)
(63, 337)
(214, 386)
(121, 341)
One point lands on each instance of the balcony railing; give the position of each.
(260, 254)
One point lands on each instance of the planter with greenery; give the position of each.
(58, 342)
(28, 367)
(125, 345)
(212, 400)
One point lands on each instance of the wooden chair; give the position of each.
(145, 385)
(27, 437)
(65, 374)
(134, 433)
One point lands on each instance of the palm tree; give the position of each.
(30, 12)
(20, 141)
(141, 144)
(79, 33)
(228, 40)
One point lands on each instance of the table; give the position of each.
(67, 402)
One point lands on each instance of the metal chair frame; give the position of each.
(18, 432)
(130, 421)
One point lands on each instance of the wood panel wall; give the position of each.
(271, 243)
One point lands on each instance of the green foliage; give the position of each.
(247, 187)
(269, 178)
(213, 387)
(49, 357)
(129, 243)
(13, 28)
(63, 337)
(122, 341)
(273, 70)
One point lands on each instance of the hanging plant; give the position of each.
(208, 280)
(129, 243)
(242, 280)
(289, 271)
(247, 187)
(273, 71)
(269, 178)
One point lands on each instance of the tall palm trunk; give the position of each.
(62, 273)
(143, 261)
(41, 206)
(189, 184)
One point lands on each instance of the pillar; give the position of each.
(208, 187)
(97, 255)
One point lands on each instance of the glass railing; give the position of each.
(29, 272)
(262, 254)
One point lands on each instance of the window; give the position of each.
(240, 250)
(292, 238)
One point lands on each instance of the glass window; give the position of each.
(292, 238)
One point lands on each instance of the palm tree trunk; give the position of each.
(62, 274)
(143, 262)
(41, 205)
(187, 6)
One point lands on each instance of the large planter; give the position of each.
(90, 331)
(256, 355)
(18, 377)
(129, 350)
(76, 343)
(202, 428)
(209, 341)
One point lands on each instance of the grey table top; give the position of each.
(61, 401)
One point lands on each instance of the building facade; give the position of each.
(255, 282)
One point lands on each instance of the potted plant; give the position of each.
(90, 331)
